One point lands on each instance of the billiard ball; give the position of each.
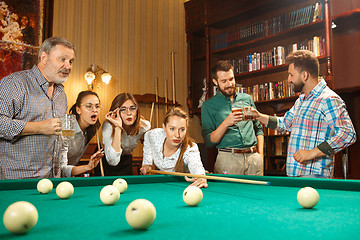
(20, 217)
(109, 195)
(192, 196)
(308, 197)
(64, 190)
(120, 184)
(140, 214)
(44, 186)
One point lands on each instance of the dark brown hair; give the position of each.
(119, 101)
(220, 66)
(92, 129)
(188, 141)
(304, 60)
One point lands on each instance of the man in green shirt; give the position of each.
(240, 143)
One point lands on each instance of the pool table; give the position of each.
(228, 210)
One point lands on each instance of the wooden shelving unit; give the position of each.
(206, 19)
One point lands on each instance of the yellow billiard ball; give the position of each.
(64, 190)
(192, 196)
(120, 184)
(109, 195)
(308, 197)
(20, 217)
(44, 186)
(140, 214)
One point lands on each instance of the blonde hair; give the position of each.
(187, 141)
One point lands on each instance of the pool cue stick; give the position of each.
(210, 177)
(166, 96)
(101, 163)
(157, 101)
(152, 110)
(173, 76)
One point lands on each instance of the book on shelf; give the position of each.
(278, 146)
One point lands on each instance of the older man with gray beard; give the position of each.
(31, 104)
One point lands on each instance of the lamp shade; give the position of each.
(106, 77)
(89, 77)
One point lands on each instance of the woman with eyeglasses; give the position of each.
(86, 109)
(171, 149)
(122, 130)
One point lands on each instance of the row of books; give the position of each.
(268, 91)
(276, 56)
(306, 15)
(296, 18)
(242, 34)
(257, 61)
(316, 45)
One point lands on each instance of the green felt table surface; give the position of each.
(228, 210)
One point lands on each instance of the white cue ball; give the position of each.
(20, 217)
(64, 190)
(308, 197)
(140, 214)
(44, 186)
(120, 184)
(192, 196)
(109, 195)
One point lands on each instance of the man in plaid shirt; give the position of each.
(319, 124)
(31, 102)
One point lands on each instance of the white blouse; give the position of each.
(153, 151)
(128, 142)
(72, 151)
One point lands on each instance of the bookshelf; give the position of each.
(235, 30)
(241, 31)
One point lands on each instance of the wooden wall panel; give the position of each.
(132, 40)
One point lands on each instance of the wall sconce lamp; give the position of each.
(94, 70)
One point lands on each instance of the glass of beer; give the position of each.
(68, 126)
(248, 115)
(236, 110)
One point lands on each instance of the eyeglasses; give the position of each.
(132, 108)
(90, 107)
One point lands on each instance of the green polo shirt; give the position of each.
(215, 110)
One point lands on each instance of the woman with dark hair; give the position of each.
(170, 148)
(122, 130)
(86, 110)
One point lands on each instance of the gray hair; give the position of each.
(52, 42)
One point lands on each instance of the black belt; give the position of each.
(239, 150)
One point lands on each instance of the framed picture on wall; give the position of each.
(23, 27)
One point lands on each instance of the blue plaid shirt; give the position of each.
(317, 119)
(23, 98)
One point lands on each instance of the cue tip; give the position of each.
(268, 183)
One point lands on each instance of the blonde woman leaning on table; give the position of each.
(170, 148)
(86, 109)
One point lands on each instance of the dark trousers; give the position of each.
(124, 167)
